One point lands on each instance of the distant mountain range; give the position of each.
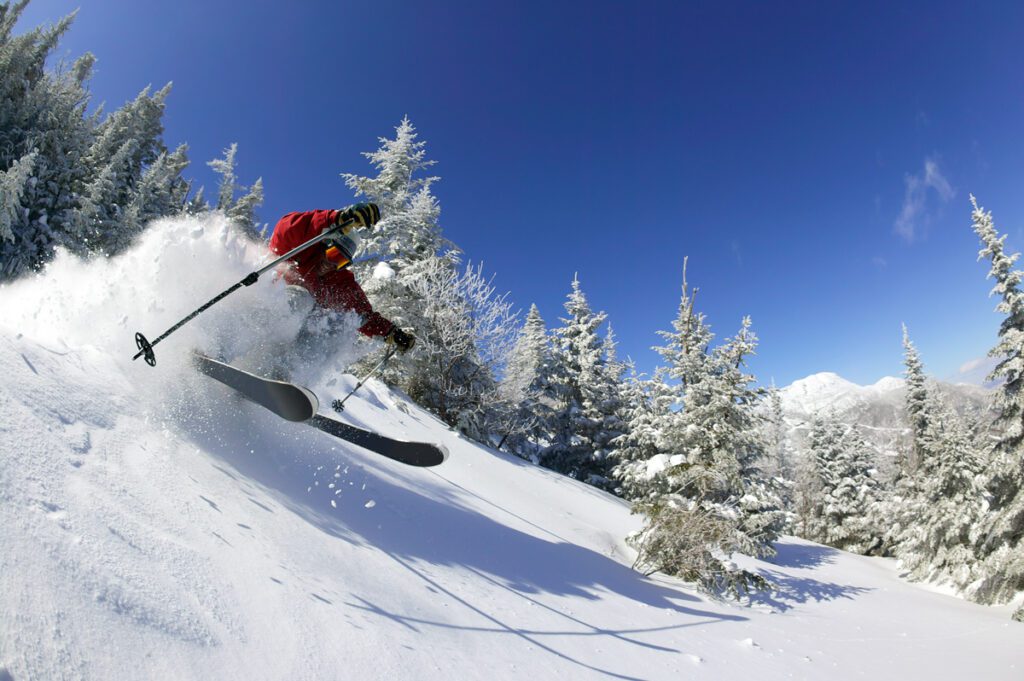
(877, 410)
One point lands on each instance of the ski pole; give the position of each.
(146, 347)
(339, 405)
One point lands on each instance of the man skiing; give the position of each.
(323, 270)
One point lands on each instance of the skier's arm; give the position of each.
(295, 229)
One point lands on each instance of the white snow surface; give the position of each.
(153, 525)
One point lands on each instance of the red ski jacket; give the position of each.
(337, 289)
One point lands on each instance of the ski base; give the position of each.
(295, 403)
(289, 401)
(422, 454)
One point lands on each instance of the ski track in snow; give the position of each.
(153, 525)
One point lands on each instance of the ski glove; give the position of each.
(400, 339)
(359, 215)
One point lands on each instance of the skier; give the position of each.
(320, 274)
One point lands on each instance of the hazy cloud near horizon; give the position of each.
(976, 371)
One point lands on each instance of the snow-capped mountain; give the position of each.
(878, 410)
(155, 526)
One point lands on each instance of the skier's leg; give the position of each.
(299, 300)
(301, 304)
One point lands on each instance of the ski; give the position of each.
(287, 400)
(295, 403)
(423, 454)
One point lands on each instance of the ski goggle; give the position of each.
(342, 249)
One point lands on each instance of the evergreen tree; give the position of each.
(68, 179)
(100, 217)
(464, 337)
(408, 231)
(857, 491)
(777, 464)
(161, 191)
(949, 504)
(43, 136)
(585, 387)
(404, 248)
(999, 536)
(639, 452)
(241, 211)
(842, 489)
(13, 184)
(123, 148)
(904, 505)
(710, 438)
(610, 402)
(414, 277)
(819, 477)
(777, 455)
(528, 383)
(916, 401)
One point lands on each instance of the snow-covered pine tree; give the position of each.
(1000, 534)
(527, 383)
(839, 488)
(408, 230)
(585, 388)
(818, 476)
(100, 217)
(756, 495)
(161, 191)
(638, 453)
(13, 184)
(405, 246)
(715, 500)
(42, 128)
(903, 506)
(415, 277)
(242, 211)
(777, 463)
(856, 493)
(950, 501)
(611, 404)
(777, 455)
(124, 146)
(916, 401)
(86, 174)
(464, 341)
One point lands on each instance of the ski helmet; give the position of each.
(341, 249)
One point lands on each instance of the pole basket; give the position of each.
(145, 349)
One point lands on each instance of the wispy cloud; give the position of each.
(977, 371)
(914, 213)
(736, 252)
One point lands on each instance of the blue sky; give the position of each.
(813, 160)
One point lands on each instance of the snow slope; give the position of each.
(152, 525)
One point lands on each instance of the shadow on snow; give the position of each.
(421, 522)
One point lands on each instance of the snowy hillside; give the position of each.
(878, 409)
(152, 525)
